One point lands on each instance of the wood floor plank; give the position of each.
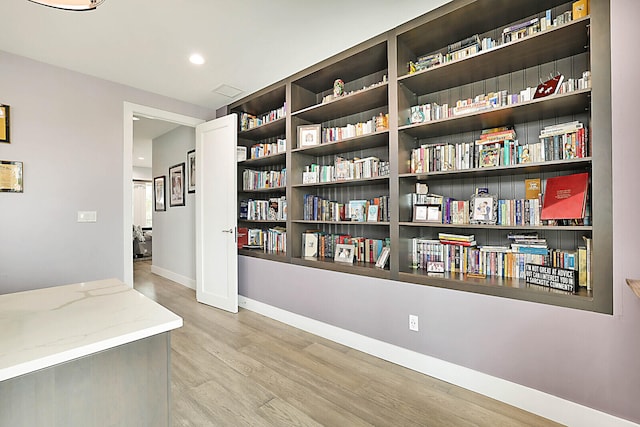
(245, 369)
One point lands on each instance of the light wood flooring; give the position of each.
(248, 370)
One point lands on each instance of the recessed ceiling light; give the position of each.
(140, 158)
(197, 59)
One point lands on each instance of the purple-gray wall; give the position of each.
(580, 356)
(67, 128)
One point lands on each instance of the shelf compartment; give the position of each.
(588, 228)
(523, 168)
(560, 42)
(362, 100)
(359, 268)
(492, 285)
(273, 159)
(360, 142)
(553, 106)
(274, 128)
(346, 183)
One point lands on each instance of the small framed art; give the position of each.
(10, 177)
(4, 123)
(344, 253)
(191, 171)
(176, 178)
(159, 193)
(309, 135)
(427, 213)
(483, 207)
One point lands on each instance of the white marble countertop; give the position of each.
(44, 327)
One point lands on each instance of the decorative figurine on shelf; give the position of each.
(338, 88)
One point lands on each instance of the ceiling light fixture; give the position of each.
(70, 4)
(197, 59)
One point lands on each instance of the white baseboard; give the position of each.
(183, 280)
(528, 399)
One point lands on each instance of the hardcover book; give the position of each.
(565, 197)
(550, 87)
(532, 188)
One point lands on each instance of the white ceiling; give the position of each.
(246, 44)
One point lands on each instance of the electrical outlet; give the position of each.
(413, 322)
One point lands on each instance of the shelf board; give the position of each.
(499, 227)
(359, 268)
(305, 221)
(560, 42)
(274, 128)
(346, 183)
(272, 159)
(356, 102)
(361, 142)
(523, 168)
(260, 253)
(552, 106)
(262, 221)
(265, 190)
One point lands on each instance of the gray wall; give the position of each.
(174, 230)
(67, 128)
(143, 174)
(580, 356)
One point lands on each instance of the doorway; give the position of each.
(130, 111)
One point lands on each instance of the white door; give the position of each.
(216, 204)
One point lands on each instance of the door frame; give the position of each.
(129, 110)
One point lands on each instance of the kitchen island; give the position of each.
(88, 354)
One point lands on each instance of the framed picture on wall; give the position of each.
(176, 182)
(4, 123)
(10, 177)
(191, 171)
(159, 193)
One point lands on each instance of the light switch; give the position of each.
(87, 216)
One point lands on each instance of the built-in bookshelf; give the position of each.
(410, 92)
(262, 173)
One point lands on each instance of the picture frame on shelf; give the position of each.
(11, 177)
(176, 179)
(4, 123)
(344, 253)
(483, 209)
(372, 213)
(383, 258)
(191, 171)
(309, 135)
(427, 213)
(159, 193)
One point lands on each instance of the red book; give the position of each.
(243, 237)
(565, 197)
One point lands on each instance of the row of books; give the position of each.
(474, 44)
(257, 180)
(438, 256)
(317, 244)
(558, 142)
(274, 209)
(345, 169)
(249, 121)
(316, 208)
(376, 124)
(267, 149)
(433, 111)
(272, 240)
